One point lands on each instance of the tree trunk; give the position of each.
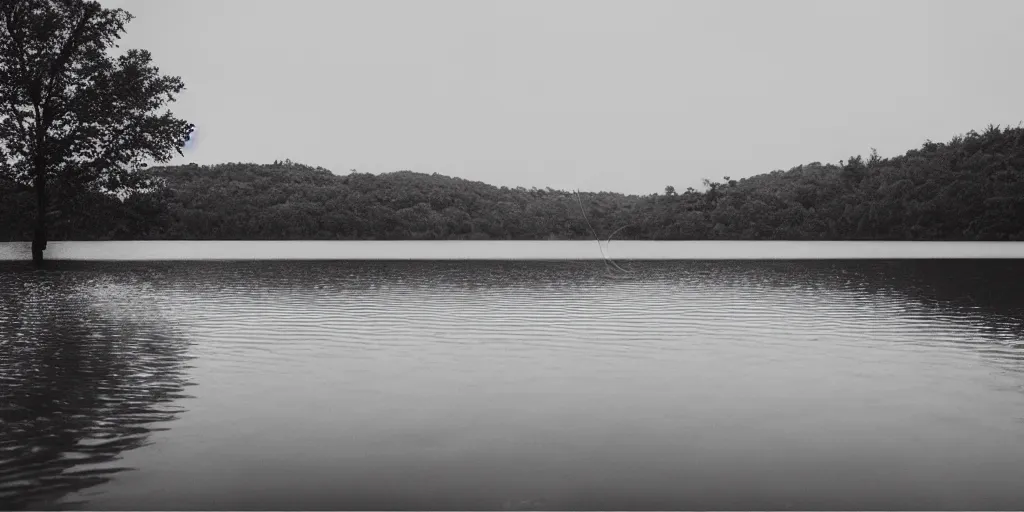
(39, 236)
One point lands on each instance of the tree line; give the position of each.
(78, 123)
(970, 188)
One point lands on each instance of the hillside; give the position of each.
(971, 188)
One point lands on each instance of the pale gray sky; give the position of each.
(628, 96)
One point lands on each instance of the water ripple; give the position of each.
(95, 358)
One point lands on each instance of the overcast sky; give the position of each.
(628, 96)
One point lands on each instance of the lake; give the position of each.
(373, 385)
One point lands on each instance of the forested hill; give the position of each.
(971, 188)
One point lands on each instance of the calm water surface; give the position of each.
(516, 385)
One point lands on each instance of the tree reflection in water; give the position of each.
(84, 377)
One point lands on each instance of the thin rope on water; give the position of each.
(597, 237)
(609, 244)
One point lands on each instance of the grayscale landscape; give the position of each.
(530, 255)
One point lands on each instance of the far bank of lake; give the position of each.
(510, 250)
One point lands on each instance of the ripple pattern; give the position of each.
(423, 358)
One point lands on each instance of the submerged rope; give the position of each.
(597, 238)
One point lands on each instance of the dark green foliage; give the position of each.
(971, 188)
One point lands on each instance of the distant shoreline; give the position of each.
(969, 189)
(511, 250)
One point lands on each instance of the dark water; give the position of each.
(516, 385)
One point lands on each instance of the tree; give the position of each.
(74, 119)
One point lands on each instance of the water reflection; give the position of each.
(489, 385)
(982, 291)
(982, 298)
(84, 377)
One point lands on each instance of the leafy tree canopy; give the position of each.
(75, 119)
